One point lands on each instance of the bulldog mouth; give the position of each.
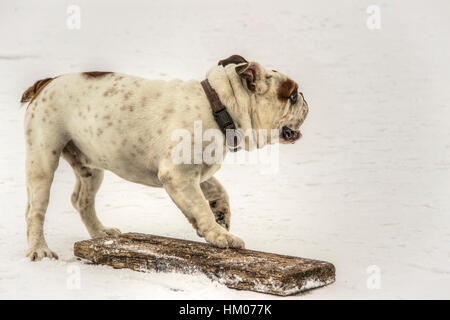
(290, 135)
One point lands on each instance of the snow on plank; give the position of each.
(238, 269)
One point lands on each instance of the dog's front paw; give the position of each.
(36, 254)
(224, 239)
(105, 232)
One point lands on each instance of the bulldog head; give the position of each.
(275, 100)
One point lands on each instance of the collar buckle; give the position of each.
(223, 119)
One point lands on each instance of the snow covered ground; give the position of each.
(368, 185)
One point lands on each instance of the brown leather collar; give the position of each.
(222, 117)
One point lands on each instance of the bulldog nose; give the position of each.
(289, 134)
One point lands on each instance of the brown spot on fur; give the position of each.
(54, 152)
(144, 101)
(159, 131)
(107, 117)
(33, 91)
(127, 95)
(110, 92)
(285, 89)
(95, 74)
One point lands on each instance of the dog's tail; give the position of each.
(33, 91)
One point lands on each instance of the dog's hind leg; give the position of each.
(88, 181)
(42, 157)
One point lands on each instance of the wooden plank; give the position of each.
(237, 269)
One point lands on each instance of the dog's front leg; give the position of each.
(218, 201)
(183, 187)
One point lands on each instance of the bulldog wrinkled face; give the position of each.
(294, 109)
(278, 102)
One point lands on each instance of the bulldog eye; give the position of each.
(293, 97)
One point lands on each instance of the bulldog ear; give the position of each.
(235, 58)
(248, 72)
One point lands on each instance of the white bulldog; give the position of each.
(109, 121)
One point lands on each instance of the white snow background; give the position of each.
(368, 184)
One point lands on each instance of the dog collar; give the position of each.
(223, 118)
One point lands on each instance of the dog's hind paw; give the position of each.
(36, 254)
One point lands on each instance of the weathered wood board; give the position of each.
(237, 269)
